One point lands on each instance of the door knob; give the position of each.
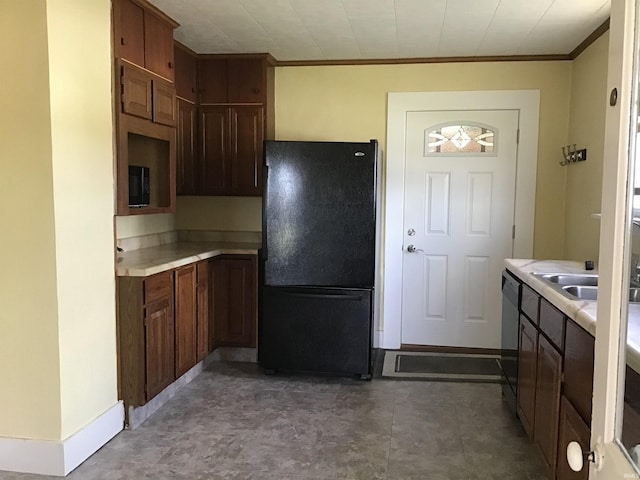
(413, 249)
(576, 457)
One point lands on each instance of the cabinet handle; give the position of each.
(170, 64)
(122, 41)
(255, 90)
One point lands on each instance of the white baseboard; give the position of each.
(59, 458)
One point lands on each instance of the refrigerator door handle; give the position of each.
(332, 296)
(265, 185)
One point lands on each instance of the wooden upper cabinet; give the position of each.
(186, 155)
(212, 80)
(128, 26)
(164, 103)
(233, 80)
(185, 73)
(143, 35)
(214, 145)
(136, 93)
(247, 134)
(246, 81)
(158, 46)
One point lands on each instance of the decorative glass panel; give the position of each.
(460, 139)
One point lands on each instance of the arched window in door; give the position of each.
(460, 138)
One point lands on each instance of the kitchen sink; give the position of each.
(591, 293)
(583, 292)
(579, 279)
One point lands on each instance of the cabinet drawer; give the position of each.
(530, 303)
(552, 324)
(158, 287)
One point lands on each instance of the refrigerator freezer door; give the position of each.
(319, 214)
(324, 330)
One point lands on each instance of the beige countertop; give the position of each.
(583, 312)
(152, 260)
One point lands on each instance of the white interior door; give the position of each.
(458, 225)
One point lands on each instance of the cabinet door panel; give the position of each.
(185, 73)
(247, 133)
(530, 303)
(552, 323)
(549, 372)
(571, 429)
(234, 300)
(186, 148)
(158, 46)
(164, 103)
(136, 92)
(212, 78)
(214, 138)
(186, 332)
(578, 369)
(128, 28)
(527, 367)
(246, 81)
(159, 346)
(203, 309)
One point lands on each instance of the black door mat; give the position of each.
(445, 367)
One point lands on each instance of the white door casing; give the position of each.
(610, 342)
(458, 216)
(526, 102)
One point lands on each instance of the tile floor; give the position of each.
(234, 423)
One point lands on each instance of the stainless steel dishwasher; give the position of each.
(510, 327)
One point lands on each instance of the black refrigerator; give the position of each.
(318, 257)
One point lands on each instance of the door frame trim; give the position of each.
(527, 102)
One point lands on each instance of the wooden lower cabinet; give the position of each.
(571, 429)
(159, 339)
(185, 320)
(145, 336)
(170, 321)
(547, 409)
(234, 301)
(202, 299)
(527, 368)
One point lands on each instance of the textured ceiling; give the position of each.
(380, 29)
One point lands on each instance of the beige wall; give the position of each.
(348, 103)
(138, 225)
(586, 129)
(79, 34)
(226, 214)
(29, 366)
(57, 322)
